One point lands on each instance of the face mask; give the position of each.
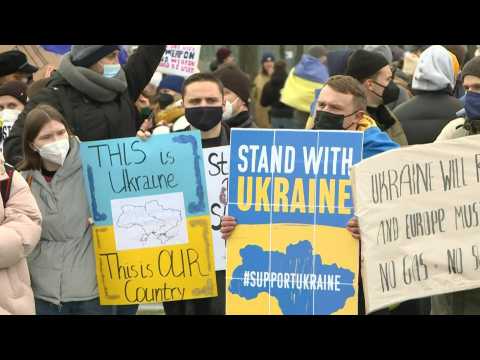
(204, 118)
(9, 116)
(228, 113)
(55, 152)
(327, 121)
(110, 71)
(472, 105)
(390, 92)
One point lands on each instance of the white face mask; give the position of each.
(55, 152)
(9, 116)
(228, 113)
(111, 70)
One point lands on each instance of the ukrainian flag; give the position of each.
(299, 90)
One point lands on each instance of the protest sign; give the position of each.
(181, 60)
(418, 212)
(151, 232)
(290, 193)
(216, 171)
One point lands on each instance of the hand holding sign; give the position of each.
(353, 228)
(228, 225)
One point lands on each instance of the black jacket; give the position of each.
(91, 120)
(271, 97)
(241, 120)
(424, 116)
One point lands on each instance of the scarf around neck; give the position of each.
(90, 83)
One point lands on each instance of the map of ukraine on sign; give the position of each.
(152, 236)
(290, 193)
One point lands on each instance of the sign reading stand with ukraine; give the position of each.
(151, 233)
(291, 195)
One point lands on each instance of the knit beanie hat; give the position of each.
(268, 56)
(384, 50)
(363, 64)
(87, 55)
(172, 82)
(16, 89)
(235, 80)
(472, 67)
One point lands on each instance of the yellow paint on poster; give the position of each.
(154, 275)
(334, 245)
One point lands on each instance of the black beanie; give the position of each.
(363, 64)
(87, 55)
(472, 67)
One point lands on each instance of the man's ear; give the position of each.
(368, 84)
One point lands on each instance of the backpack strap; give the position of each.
(6, 185)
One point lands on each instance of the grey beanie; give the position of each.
(87, 55)
(384, 50)
(317, 51)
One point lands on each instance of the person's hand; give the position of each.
(144, 132)
(227, 226)
(353, 228)
(49, 69)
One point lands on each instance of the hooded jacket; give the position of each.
(20, 227)
(433, 105)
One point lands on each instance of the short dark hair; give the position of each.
(202, 77)
(345, 84)
(34, 122)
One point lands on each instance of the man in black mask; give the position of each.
(203, 99)
(375, 74)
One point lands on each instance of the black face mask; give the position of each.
(204, 118)
(390, 92)
(327, 121)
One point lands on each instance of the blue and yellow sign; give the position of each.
(151, 216)
(290, 192)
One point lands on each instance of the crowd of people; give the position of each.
(396, 96)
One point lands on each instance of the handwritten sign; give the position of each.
(290, 193)
(152, 234)
(418, 212)
(217, 162)
(181, 60)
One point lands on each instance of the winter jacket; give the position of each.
(424, 116)
(20, 227)
(241, 120)
(271, 97)
(261, 112)
(62, 266)
(453, 130)
(89, 118)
